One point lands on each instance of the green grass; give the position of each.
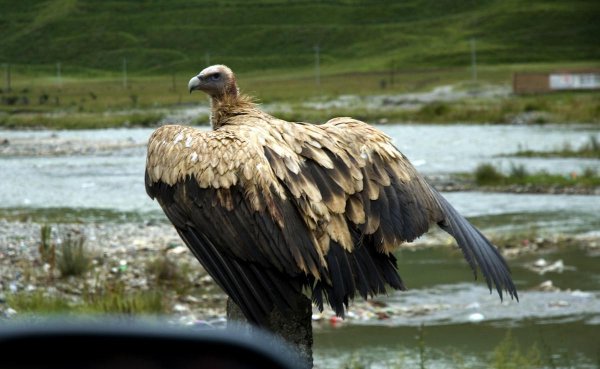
(167, 273)
(112, 106)
(114, 299)
(488, 175)
(407, 46)
(47, 247)
(509, 355)
(37, 302)
(74, 258)
(276, 34)
(590, 149)
(79, 120)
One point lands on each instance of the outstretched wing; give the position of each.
(270, 208)
(362, 198)
(218, 191)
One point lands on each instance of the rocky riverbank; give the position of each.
(127, 254)
(55, 145)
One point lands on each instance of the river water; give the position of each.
(459, 323)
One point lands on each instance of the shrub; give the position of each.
(74, 258)
(46, 247)
(170, 274)
(518, 171)
(486, 174)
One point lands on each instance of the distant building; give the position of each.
(537, 82)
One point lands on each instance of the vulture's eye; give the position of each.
(215, 76)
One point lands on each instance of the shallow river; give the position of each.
(462, 322)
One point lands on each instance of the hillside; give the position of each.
(159, 37)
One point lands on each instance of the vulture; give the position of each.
(273, 209)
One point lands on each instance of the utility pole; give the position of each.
(317, 65)
(7, 77)
(58, 75)
(125, 73)
(473, 60)
(392, 72)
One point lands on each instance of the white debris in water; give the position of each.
(582, 294)
(476, 317)
(541, 266)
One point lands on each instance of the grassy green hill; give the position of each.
(160, 37)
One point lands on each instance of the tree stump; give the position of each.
(294, 326)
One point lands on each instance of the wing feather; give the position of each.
(270, 207)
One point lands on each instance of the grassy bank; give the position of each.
(87, 36)
(590, 149)
(70, 276)
(86, 58)
(79, 120)
(103, 102)
(489, 176)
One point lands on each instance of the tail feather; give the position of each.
(477, 249)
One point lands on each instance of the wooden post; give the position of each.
(125, 73)
(294, 326)
(7, 86)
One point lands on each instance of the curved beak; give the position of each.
(194, 84)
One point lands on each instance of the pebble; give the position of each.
(124, 250)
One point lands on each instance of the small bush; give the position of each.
(46, 247)
(169, 274)
(434, 109)
(518, 171)
(74, 258)
(589, 172)
(487, 174)
(593, 145)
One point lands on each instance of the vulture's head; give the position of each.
(216, 81)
